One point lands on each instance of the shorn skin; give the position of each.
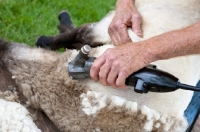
(41, 77)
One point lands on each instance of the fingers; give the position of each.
(95, 69)
(115, 79)
(118, 30)
(108, 75)
(103, 74)
(136, 25)
(118, 34)
(112, 77)
(120, 81)
(116, 40)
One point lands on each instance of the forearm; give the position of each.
(121, 4)
(176, 43)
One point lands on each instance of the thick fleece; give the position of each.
(85, 105)
(15, 118)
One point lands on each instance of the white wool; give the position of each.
(150, 118)
(133, 36)
(101, 29)
(163, 119)
(167, 126)
(30, 54)
(14, 117)
(157, 125)
(156, 115)
(85, 102)
(160, 16)
(92, 102)
(132, 106)
(97, 130)
(149, 125)
(151, 28)
(154, 106)
(117, 101)
(146, 111)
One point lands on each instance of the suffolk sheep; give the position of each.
(38, 79)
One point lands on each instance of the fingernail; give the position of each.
(138, 33)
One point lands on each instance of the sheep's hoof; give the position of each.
(65, 20)
(44, 42)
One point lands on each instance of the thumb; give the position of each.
(136, 26)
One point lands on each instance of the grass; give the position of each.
(24, 20)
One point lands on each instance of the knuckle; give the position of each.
(94, 67)
(137, 16)
(111, 60)
(121, 27)
(107, 52)
(116, 24)
(125, 73)
(102, 76)
(116, 64)
(111, 28)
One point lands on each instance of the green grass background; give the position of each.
(24, 20)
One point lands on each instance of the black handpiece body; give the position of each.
(151, 79)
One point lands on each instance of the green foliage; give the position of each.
(24, 20)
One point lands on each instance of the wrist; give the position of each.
(148, 51)
(121, 4)
(143, 51)
(157, 48)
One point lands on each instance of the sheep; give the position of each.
(41, 76)
(21, 118)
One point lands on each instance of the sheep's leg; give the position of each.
(65, 24)
(73, 40)
(94, 34)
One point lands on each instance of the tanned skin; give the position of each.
(115, 65)
(118, 27)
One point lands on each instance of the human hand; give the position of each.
(116, 64)
(126, 16)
